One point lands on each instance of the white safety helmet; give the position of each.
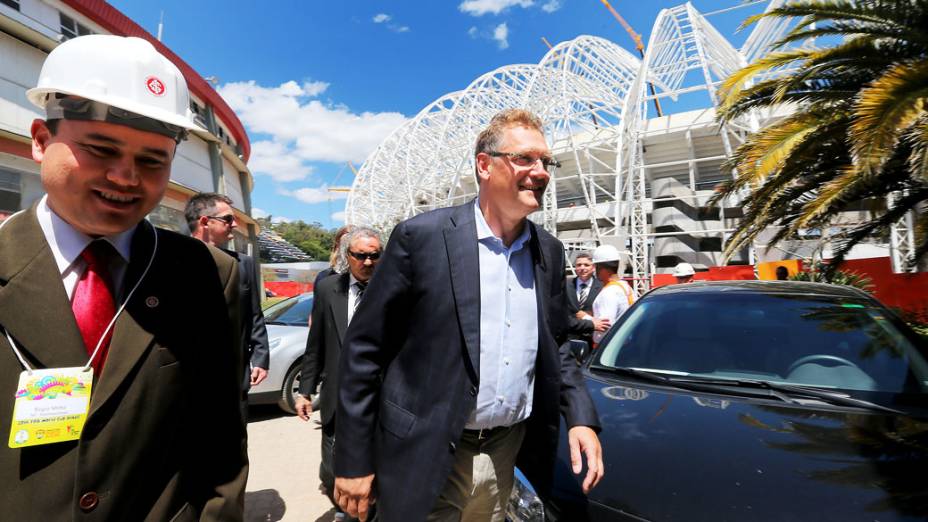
(683, 270)
(606, 254)
(127, 74)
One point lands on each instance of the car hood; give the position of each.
(684, 456)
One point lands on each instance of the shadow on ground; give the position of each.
(328, 516)
(264, 506)
(263, 412)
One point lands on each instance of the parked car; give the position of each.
(753, 400)
(287, 329)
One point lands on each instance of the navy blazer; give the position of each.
(255, 347)
(324, 342)
(409, 370)
(581, 328)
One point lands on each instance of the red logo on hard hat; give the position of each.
(155, 86)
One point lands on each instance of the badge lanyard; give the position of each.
(52, 404)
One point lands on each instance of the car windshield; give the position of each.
(294, 311)
(810, 340)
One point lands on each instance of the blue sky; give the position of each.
(318, 83)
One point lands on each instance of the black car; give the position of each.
(753, 400)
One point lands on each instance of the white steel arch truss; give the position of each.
(593, 97)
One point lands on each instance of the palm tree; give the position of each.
(857, 134)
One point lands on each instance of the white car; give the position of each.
(287, 329)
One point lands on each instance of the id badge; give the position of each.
(51, 406)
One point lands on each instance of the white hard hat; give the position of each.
(606, 254)
(683, 270)
(122, 72)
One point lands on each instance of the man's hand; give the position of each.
(355, 495)
(583, 315)
(601, 325)
(258, 375)
(304, 407)
(582, 439)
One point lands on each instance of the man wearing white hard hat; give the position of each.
(117, 337)
(684, 273)
(616, 296)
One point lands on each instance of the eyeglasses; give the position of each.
(363, 256)
(227, 219)
(520, 159)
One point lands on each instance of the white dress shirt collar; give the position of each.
(66, 243)
(484, 231)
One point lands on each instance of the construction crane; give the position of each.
(639, 45)
(343, 189)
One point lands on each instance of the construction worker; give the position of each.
(133, 325)
(616, 295)
(684, 273)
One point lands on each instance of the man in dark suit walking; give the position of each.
(335, 300)
(581, 292)
(211, 220)
(452, 370)
(86, 283)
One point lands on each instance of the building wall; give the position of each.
(26, 36)
(19, 70)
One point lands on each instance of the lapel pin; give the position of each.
(151, 301)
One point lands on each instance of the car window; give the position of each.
(825, 341)
(291, 312)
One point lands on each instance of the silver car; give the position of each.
(287, 329)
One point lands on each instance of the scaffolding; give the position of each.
(627, 178)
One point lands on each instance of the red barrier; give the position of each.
(287, 288)
(908, 292)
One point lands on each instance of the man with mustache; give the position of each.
(451, 372)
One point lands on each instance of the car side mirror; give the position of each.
(579, 349)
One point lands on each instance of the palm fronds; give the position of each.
(858, 130)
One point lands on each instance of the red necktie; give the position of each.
(93, 303)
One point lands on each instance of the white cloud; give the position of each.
(472, 32)
(280, 219)
(482, 7)
(303, 129)
(258, 213)
(399, 29)
(551, 6)
(276, 160)
(313, 195)
(339, 216)
(501, 35)
(381, 18)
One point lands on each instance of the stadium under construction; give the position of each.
(638, 142)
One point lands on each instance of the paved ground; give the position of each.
(283, 483)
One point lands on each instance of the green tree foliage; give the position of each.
(857, 129)
(820, 274)
(311, 238)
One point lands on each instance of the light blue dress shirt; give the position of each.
(508, 329)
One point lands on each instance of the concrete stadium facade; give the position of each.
(632, 174)
(29, 30)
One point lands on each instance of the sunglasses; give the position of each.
(227, 219)
(361, 256)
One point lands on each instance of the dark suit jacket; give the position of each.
(320, 362)
(164, 439)
(255, 347)
(409, 371)
(581, 328)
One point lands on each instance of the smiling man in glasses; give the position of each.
(452, 372)
(336, 299)
(211, 220)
